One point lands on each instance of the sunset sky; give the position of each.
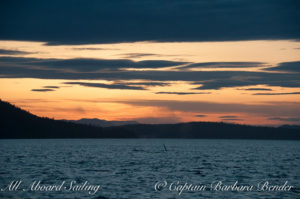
(153, 61)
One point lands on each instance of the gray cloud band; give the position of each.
(93, 69)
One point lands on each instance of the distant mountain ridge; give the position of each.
(16, 123)
(101, 123)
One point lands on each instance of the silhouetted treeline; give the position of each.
(17, 123)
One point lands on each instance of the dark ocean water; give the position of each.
(130, 168)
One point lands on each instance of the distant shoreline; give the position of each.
(19, 124)
(296, 140)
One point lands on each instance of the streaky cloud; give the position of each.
(78, 48)
(285, 119)
(51, 86)
(201, 115)
(87, 65)
(256, 89)
(292, 93)
(182, 93)
(12, 52)
(138, 55)
(93, 69)
(222, 65)
(148, 83)
(42, 90)
(232, 119)
(228, 117)
(108, 86)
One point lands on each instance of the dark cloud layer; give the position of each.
(227, 79)
(86, 65)
(96, 21)
(287, 67)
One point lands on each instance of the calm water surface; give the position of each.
(130, 168)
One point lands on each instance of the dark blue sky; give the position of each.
(81, 21)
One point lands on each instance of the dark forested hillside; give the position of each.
(17, 123)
